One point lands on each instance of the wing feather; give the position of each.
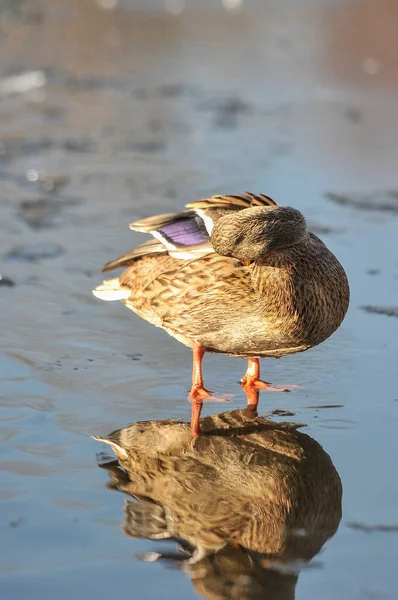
(157, 221)
(148, 247)
(234, 202)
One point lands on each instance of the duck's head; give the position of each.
(251, 233)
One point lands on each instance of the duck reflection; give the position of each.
(250, 502)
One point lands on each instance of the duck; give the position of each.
(251, 496)
(239, 275)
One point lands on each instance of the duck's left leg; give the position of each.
(199, 393)
(251, 379)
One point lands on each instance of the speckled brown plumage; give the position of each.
(283, 303)
(259, 284)
(248, 485)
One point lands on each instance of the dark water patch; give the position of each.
(36, 252)
(56, 365)
(14, 148)
(372, 528)
(80, 144)
(46, 182)
(105, 459)
(136, 357)
(41, 214)
(226, 111)
(146, 146)
(176, 90)
(81, 271)
(337, 424)
(6, 281)
(322, 228)
(155, 125)
(96, 178)
(280, 412)
(232, 105)
(12, 9)
(26, 146)
(170, 193)
(51, 183)
(292, 567)
(373, 271)
(31, 280)
(16, 522)
(94, 83)
(384, 201)
(318, 406)
(7, 177)
(141, 94)
(280, 148)
(389, 311)
(53, 112)
(16, 10)
(353, 114)
(27, 468)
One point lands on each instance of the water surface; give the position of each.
(129, 113)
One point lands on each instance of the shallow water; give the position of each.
(129, 113)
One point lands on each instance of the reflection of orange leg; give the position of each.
(252, 397)
(195, 417)
(251, 379)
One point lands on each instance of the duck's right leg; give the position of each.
(251, 378)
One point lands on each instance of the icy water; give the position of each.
(108, 114)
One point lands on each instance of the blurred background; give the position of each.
(111, 110)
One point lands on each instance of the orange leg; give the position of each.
(251, 379)
(199, 393)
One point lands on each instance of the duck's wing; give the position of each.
(186, 235)
(176, 231)
(179, 234)
(148, 247)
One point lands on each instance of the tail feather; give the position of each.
(112, 290)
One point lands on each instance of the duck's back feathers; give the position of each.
(233, 202)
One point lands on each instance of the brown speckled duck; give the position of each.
(253, 499)
(238, 275)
